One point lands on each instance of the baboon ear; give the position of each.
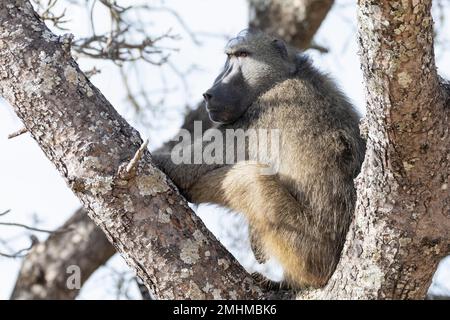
(281, 47)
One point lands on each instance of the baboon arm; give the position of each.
(245, 188)
(184, 175)
(223, 187)
(271, 210)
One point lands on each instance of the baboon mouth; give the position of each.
(219, 116)
(216, 114)
(213, 109)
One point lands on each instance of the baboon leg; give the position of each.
(244, 187)
(271, 210)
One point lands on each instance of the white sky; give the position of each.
(29, 184)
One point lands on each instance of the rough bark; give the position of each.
(401, 228)
(402, 224)
(44, 272)
(307, 22)
(296, 21)
(140, 210)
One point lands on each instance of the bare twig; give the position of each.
(14, 224)
(19, 254)
(5, 212)
(45, 12)
(22, 252)
(92, 72)
(137, 156)
(115, 45)
(17, 133)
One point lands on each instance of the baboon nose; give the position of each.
(207, 96)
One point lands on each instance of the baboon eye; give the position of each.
(241, 54)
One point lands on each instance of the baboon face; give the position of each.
(255, 62)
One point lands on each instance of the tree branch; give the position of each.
(92, 234)
(17, 133)
(294, 21)
(401, 228)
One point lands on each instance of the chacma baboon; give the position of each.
(299, 215)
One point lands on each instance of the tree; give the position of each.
(401, 219)
(401, 227)
(43, 274)
(44, 260)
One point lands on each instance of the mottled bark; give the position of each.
(140, 210)
(45, 270)
(296, 21)
(402, 225)
(192, 116)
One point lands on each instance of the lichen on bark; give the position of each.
(88, 141)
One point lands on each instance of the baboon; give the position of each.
(300, 214)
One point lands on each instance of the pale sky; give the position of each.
(31, 185)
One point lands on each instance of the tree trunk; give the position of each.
(401, 227)
(91, 145)
(39, 260)
(43, 273)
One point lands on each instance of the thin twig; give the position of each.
(14, 255)
(137, 156)
(180, 20)
(5, 212)
(14, 224)
(18, 254)
(17, 133)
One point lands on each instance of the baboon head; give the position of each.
(255, 62)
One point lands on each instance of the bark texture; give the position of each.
(402, 223)
(307, 22)
(140, 210)
(401, 228)
(295, 21)
(44, 272)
